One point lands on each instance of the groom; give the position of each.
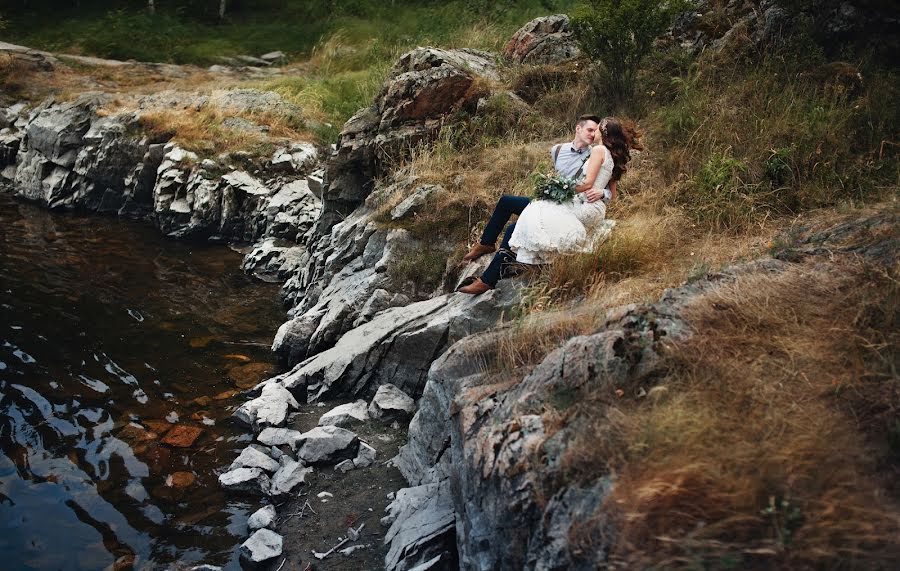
(569, 160)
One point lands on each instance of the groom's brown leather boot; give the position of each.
(477, 251)
(475, 288)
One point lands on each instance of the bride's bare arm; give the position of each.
(598, 154)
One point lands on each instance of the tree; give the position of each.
(620, 34)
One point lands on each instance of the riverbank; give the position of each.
(558, 418)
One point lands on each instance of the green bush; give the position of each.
(621, 33)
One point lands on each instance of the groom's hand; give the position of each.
(593, 194)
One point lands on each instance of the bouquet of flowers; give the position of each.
(553, 187)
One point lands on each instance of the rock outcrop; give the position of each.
(425, 86)
(78, 155)
(544, 40)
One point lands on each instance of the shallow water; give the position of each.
(110, 335)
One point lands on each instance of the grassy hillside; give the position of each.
(772, 440)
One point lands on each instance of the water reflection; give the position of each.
(119, 355)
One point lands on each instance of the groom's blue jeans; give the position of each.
(502, 264)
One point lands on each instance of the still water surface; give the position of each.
(110, 336)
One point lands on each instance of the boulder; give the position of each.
(345, 414)
(326, 444)
(397, 346)
(288, 477)
(263, 517)
(390, 403)
(544, 40)
(425, 85)
(245, 480)
(252, 457)
(264, 545)
(268, 409)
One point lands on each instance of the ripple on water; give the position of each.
(96, 368)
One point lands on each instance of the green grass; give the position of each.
(193, 34)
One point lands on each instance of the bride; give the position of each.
(546, 229)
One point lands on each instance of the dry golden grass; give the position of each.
(204, 133)
(767, 446)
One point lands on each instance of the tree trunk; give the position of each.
(222, 4)
(151, 6)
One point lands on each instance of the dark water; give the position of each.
(111, 335)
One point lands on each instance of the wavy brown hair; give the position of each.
(620, 137)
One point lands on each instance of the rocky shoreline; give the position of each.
(478, 451)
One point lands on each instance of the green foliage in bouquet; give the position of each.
(553, 187)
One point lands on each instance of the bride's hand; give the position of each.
(593, 194)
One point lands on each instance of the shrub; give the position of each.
(621, 33)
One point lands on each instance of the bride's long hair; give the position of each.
(620, 137)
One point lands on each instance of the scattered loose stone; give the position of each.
(365, 457)
(391, 403)
(344, 466)
(279, 436)
(261, 518)
(327, 443)
(345, 414)
(262, 546)
(269, 409)
(182, 436)
(245, 479)
(252, 457)
(288, 477)
(321, 495)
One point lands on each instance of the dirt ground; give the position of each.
(359, 497)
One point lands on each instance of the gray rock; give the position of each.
(421, 521)
(279, 436)
(413, 203)
(264, 545)
(206, 568)
(268, 409)
(390, 403)
(251, 457)
(344, 466)
(288, 477)
(397, 346)
(245, 480)
(263, 517)
(365, 457)
(273, 56)
(545, 40)
(326, 444)
(345, 414)
(274, 260)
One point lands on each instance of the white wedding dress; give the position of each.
(546, 229)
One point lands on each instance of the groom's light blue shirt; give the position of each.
(570, 159)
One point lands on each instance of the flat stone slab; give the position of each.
(182, 436)
(279, 436)
(345, 414)
(251, 457)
